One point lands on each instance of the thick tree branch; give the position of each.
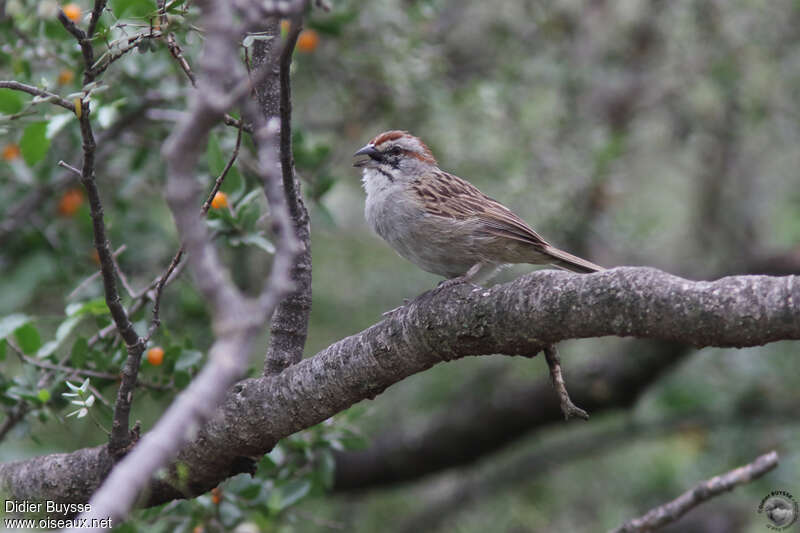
(455, 437)
(516, 318)
(458, 433)
(671, 511)
(289, 328)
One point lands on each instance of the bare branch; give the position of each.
(41, 93)
(120, 437)
(165, 278)
(224, 173)
(457, 434)
(172, 44)
(519, 317)
(671, 511)
(97, 10)
(567, 407)
(15, 416)
(84, 42)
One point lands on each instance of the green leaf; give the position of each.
(251, 491)
(20, 393)
(79, 353)
(28, 338)
(63, 331)
(229, 514)
(34, 143)
(47, 348)
(3, 345)
(133, 8)
(327, 468)
(181, 378)
(96, 307)
(254, 239)
(10, 101)
(57, 123)
(233, 185)
(287, 495)
(8, 324)
(214, 155)
(188, 359)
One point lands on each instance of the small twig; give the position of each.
(99, 6)
(120, 436)
(70, 371)
(35, 91)
(64, 164)
(177, 53)
(122, 277)
(110, 56)
(673, 510)
(221, 178)
(83, 41)
(567, 407)
(172, 44)
(13, 418)
(159, 289)
(94, 276)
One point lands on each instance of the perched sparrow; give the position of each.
(442, 223)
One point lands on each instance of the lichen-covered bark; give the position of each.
(516, 318)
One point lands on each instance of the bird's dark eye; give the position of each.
(394, 151)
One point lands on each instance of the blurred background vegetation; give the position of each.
(630, 132)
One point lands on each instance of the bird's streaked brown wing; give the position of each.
(446, 195)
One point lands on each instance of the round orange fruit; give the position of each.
(10, 151)
(307, 41)
(220, 200)
(70, 202)
(72, 11)
(65, 76)
(155, 356)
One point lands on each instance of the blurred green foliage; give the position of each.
(636, 132)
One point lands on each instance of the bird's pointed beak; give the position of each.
(368, 150)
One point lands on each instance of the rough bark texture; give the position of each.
(460, 434)
(483, 424)
(289, 326)
(516, 318)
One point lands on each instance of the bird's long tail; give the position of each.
(571, 262)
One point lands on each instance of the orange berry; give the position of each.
(155, 356)
(72, 11)
(220, 200)
(216, 495)
(65, 77)
(95, 257)
(70, 201)
(307, 41)
(10, 151)
(198, 529)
